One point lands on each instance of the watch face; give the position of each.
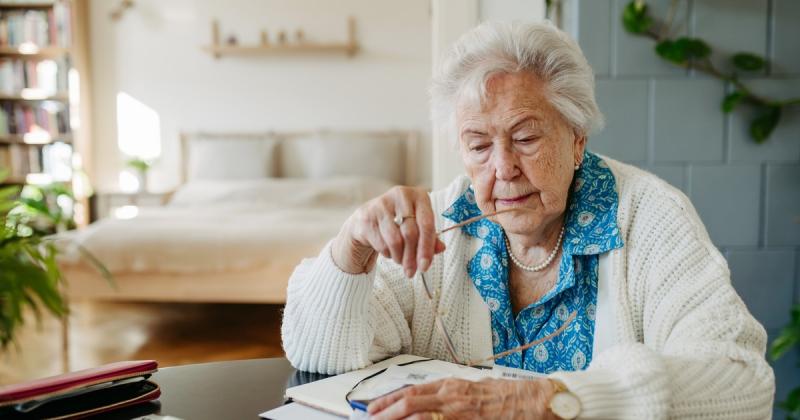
(565, 405)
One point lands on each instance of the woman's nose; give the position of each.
(506, 164)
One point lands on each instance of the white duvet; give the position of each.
(228, 225)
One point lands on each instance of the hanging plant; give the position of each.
(789, 340)
(695, 53)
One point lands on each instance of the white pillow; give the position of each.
(219, 157)
(328, 155)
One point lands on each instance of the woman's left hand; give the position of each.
(462, 399)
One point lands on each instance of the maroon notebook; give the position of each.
(81, 393)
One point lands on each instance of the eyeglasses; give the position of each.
(451, 350)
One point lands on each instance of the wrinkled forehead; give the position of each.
(503, 92)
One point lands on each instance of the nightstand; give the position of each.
(124, 205)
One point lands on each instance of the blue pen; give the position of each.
(359, 405)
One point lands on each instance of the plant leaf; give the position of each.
(792, 404)
(731, 100)
(789, 336)
(46, 290)
(8, 193)
(29, 281)
(763, 125)
(98, 265)
(38, 207)
(783, 343)
(669, 50)
(748, 62)
(635, 18)
(796, 315)
(5, 206)
(694, 48)
(683, 49)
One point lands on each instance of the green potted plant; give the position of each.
(30, 278)
(788, 340)
(141, 166)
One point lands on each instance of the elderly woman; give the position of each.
(608, 263)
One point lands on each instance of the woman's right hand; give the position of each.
(371, 230)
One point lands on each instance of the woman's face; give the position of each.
(519, 152)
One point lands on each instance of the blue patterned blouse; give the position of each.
(591, 229)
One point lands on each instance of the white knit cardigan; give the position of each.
(672, 337)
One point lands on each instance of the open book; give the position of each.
(329, 394)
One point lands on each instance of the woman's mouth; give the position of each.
(512, 201)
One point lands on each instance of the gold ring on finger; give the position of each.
(436, 415)
(398, 219)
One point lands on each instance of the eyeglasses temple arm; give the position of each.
(475, 219)
(527, 346)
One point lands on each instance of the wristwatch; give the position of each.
(564, 404)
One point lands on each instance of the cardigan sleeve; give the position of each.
(698, 353)
(335, 322)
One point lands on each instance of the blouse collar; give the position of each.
(591, 221)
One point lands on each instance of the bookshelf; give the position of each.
(15, 5)
(44, 52)
(43, 63)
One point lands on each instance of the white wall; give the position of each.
(154, 54)
(508, 10)
(451, 18)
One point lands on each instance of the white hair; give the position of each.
(500, 47)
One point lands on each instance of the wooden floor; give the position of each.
(172, 334)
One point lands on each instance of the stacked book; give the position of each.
(49, 27)
(54, 159)
(20, 119)
(43, 76)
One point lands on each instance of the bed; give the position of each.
(250, 207)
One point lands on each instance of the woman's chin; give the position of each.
(520, 208)
(518, 222)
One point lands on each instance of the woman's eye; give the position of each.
(527, 140)
(479, 148)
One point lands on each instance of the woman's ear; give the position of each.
(579, 146)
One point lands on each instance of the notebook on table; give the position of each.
(329, 394)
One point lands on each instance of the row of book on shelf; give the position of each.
(48, 117)
(50, 27)
(42, 124)
(45, 77)
(54, 159)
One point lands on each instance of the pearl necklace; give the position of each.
(544, 263)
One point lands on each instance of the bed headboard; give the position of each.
(301, 154)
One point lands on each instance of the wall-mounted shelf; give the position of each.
(40, 52)
(33, 5)
(58, 97)
(218, 49)
(221, 50)
(20, 139)
(12, 181)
